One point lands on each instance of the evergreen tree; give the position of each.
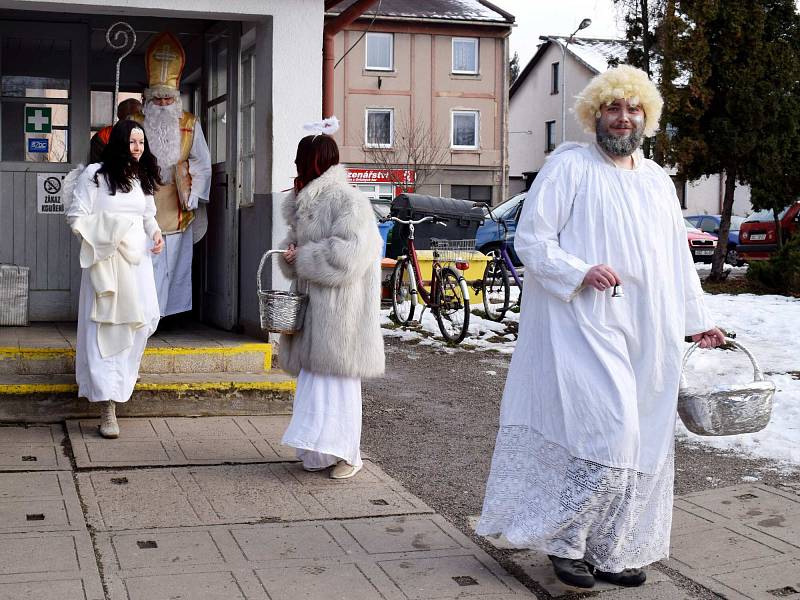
(730, 82)
(513, 69)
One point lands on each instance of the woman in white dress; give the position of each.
(334, 251)
(112, 197)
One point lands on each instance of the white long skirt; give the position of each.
(113, 377)
(326, 420)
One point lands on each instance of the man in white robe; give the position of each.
(583, 463)
(176, 139)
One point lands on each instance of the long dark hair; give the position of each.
(120, 168)
(315, 155)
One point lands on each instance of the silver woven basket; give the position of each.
(280, 312)
(454, 250)
(727, 409)
(14, 295)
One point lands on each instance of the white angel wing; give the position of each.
(68, 186)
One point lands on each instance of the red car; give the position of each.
(757, 236)
(701, 244)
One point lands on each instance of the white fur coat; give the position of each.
(338, 259)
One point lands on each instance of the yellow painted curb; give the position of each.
(209, 386)
(9, 353)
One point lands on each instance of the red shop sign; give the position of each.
(399, 176)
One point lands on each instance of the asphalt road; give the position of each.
(431, 422)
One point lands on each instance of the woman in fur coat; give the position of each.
(334, 251)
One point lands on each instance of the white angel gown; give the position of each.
(583, 462)
(326, 420)
(113, 377)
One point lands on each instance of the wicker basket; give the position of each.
(14, 295)
(729, 409)
(280, 312)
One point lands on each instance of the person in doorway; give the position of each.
(125, 110)
(334, 252)
(113, 212)
(178, 144)
(583, 462)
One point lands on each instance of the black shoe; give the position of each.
(627, 578)
(572, 571)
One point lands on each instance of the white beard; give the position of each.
(162, 126)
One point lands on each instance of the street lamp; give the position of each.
(584, 24)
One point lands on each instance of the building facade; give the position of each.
(540, 117)
(421, 95)
(244, 78)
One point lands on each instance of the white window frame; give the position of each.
(376, 109)
(477, 120)
(373, 35)
(453, 55)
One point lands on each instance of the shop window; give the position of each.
(379, 128)
(476, 193)
(465, 124)
(465, 56)
(34, 99)
(380, 51)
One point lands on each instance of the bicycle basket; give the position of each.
(451, 251)
(728, 409)
(279, 311)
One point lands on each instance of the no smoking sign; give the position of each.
(48, 193)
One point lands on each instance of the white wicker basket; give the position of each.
(280, 312)
(14, 295)
(727, 409)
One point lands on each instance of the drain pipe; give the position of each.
(330, 30)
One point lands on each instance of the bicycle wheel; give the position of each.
(402, 306)
(496, 290)
(452, 307)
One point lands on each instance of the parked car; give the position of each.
(701, 244)
(489, 235)
(711, 223)
(757, 236)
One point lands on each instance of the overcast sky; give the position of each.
(545, 17)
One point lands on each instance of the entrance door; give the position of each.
(220, 111)
(44, 131)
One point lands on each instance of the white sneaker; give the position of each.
(108, 420)
(344, 470)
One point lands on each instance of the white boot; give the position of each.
(108, 420)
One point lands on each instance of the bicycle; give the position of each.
(447, 296)
(496, 285)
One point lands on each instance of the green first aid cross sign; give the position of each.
(38, 119)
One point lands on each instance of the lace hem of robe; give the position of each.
(541, 497)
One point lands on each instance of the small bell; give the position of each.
(617, 292)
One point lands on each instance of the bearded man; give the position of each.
(583, 463)
(176, 139)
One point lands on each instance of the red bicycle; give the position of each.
(447, 296)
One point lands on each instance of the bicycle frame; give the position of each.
(415, 277)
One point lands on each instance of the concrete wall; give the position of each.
(704, 197)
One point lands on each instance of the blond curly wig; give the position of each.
(623, 81)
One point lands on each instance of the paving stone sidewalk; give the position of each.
(215, 509)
